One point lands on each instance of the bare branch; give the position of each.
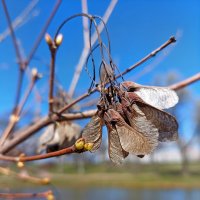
(14, 39)
(26, 195)
(24, 177)
(21, 19)
(64, 151)
(14, 118)
(85, 24)
(186, 82)
(147, 57)
(43, 31)
(25, 133)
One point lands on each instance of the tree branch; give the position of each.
(186, 82)
(14, 118)
(29, 131)
(26, 195)
(43, 31)
(22, 18)
(147, 57)
(13, 36)
(24, 177)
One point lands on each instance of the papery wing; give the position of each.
(140, 139)
(47, 135)
(92, 133)
(116, 153)
(165, 123)
(158, 97)
(45, 138)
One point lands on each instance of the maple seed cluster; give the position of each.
(135, 120)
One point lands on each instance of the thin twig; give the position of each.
(186, 82)
(23, 18)
(19, 57)
(85, 51)
(26, 195)
(24, 177)
(18, 108)
(51, 78)
(14, 39)
(85, 24)
(43, 31)
(147, 57)
(25, 133)
(67, 150)
(15, 117)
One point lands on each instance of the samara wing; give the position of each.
(92, 133)
(159, 97)
(165, 123)
(134, 140)
(115, 150)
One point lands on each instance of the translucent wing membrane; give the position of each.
(116, 152)
(92, 133)
(165, 123)
(133, 140)
(159, 97)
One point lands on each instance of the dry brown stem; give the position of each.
(25, 195)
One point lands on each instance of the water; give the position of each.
(129, 194)
(123, 194)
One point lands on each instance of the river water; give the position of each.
(129, 194)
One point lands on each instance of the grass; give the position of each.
(106, 175)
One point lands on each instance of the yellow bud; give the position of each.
(22, 155)
(79, 144)
(45, 181)
(34, 72)
(20, 164)
(14, 118)
(48, 39)
(88, 146)
(50, 197)
(59, 39)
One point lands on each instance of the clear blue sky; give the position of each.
(136, 28)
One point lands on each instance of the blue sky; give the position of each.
(136, 27)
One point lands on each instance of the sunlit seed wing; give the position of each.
(116, 153)
(106, 73)
(72, 130)
(165, 123)
(92, 133)
(119, 109)
(115, 150)
(159, 97)
(135, 140)
(45, 138)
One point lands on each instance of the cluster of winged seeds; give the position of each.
(135, 120)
